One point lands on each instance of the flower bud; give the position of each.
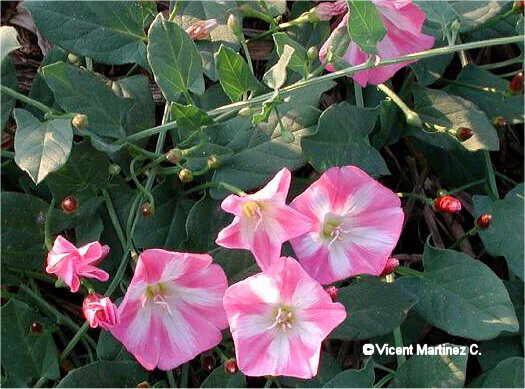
(390, 266)
(483, 221)
(100, 311)
(73, 59)
(36, 328)
(464, 133)
(516, 84)
(312, 53)
(332, 291)
(213, 162)
(234, 25)
(174, 156)
(185, 175)
(201, 29)
(146, 209)
(518, 6)
(114, 169)
(144, 384)
(447, 204)
(230, 366)
(500, 122)
(69, 204)
(79, 121)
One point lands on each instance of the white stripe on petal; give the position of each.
(339, 261)
(305, 294)
(247, 326)
(279, 351)
(319, 202)
(307, 244)
(265, 288)
(359, 200)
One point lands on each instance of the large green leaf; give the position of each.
(433, 371)
(174, 59)
(342, 139)
(219, 378)
(375, 308)
(78, 90)
(105, 374)
(353, 378)
(441, 109)
(491, 352)
(504, 236)
(110, 349)
(365, 26)
(507, 374)
(26, 355)
(455, 285)
(110, 32)
(41, 147)
(8, 78)
(234, 74)
(141, 115)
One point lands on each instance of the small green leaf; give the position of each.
(174, 59)
(276, 75)
(353, 378)
(41, 147)
(105, 374)
(454, 282)
(365, 25)
(342, 139)
(298, 61)
(234, 74)
(189, 119)
(507, 374)
(434, 371)
(375, 308)
(8, 41)
(219, 378)
(504, 236)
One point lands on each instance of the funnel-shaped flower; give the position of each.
(69, 263)
(278, 320)
(403, 22)
(172, 310)
(100, 311)
(356, 225)
(201, 29)
(263, 222)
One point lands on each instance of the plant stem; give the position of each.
(398, 341)
(171, 379)
(184, 375)
(423, 198)
(73, 342)
(268, 383)
(381, 367)
(19, 96)
(218, 185)
(40, 382)
(412, 118)
(502, 64)
(467, 234)
(247, 54)
(358, 91)
(463, 187)
(491, 176)
(504, 177)
(384, 380)
(114, 218)
(47, 226)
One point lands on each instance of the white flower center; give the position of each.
(156, 294)
(333, 228)
(283, 318)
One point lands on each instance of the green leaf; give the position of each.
(111, 32)
(491, 352)
(440, 13)
(342, 139)
(105, 374)
(8, 41)
(78, 90)
(494, 101)
(174, 59)
(110, 349)
(219, 378)
(507, 374)
(364, 25)
(237, 264)
(298, 61)
(276, 75)
(504, 236)
(429, 70)
(41, 147)
(7, 102)
(189, 119)
(234, 74)
(141, 115)
(455, 284)
(439, 108)
(197, 156)
(26, 355)
(353, 378)
(375, 307)
(434, 371)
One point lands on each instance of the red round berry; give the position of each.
(230, 366)
(483, 221)
(69, 204)
(146, 209)
(36, 328)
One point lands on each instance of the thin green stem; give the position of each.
(491, 177)
(114, 218)
(412, 118)
(171, 379)
(398, 341)
(473, 231)
(73, 342)
(223, 356)
(19, 96)
(218, 185)
(358, 91)
(48, 240)
(187, 95)
(268, 383)
(510, 74)
(247, 55)
(40, 382)
(384, 380)
(505, 178)
(502, 64)
(381, 367)
(184, 375)
(423, 198)
(463, 187)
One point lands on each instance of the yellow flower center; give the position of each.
(251, 209)
(283, 318)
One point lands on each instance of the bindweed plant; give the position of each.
(262, 193)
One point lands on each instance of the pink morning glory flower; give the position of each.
(99, 311)
(278, 320)
(69, 263)
(172, 310)
(403, 22)
(356, 225)
(263, 222)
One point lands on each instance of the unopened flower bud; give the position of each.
(230, 366)
(174, 156)
(500, 122)
(312, 53)
(332, 291)
(390, 266)
(79, 121)
(464, 133)
(114, 169)
(201, 29)
(447, 204)
(36, 328)
(483, 221)
(73, 59)
(144, 384)
(185, 175)
(518, 6)
(146, 209)
(100, 311)
(69, 204)
(441, 193)
(516, 84)
(213, 162)
(234, 25)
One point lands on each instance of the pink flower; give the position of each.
(278, 320)
(356, 224)
(403, 22)
(99, 311)
(201, 29)
(328, 9)
(69, 263)
(263, 222)
(172, 310)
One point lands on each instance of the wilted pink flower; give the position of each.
(328, 9)
(403, 22)
(69, 263)
(263, 222)
(278, 320)
(356, 224)
(99, 311)
(172, 310)
(201, 29)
